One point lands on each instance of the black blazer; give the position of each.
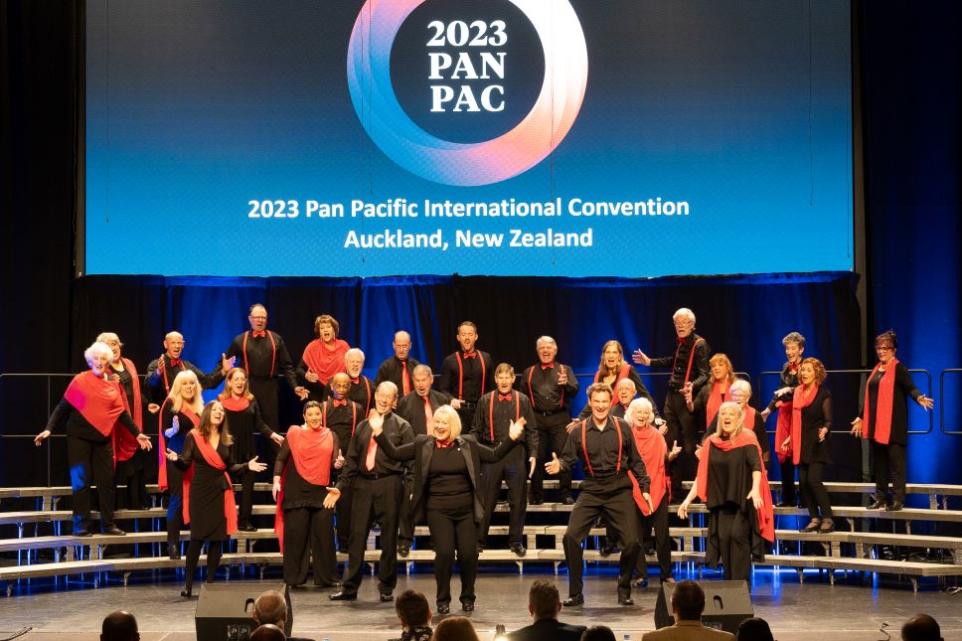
(421, 450)
(548, 630)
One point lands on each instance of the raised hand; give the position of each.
(377, 423)
(254, 466)
(226, 364)
(925, 401)
(570, 426)
(516, 429)
(674, 451)
(554, 465)
(562, 376)
(640, 358)
(301, 392)
(41, 437)
(333, 494)
(456, 403)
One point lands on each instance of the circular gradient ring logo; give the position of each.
(467, 164)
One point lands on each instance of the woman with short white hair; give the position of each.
(92, 411)
(741, 392)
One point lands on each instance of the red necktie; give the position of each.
(259, 333)
(428, 413)
(405, 381)
(371, 453)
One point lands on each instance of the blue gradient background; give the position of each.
(742, 109)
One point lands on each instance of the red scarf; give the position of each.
(215, 461)
(323, 361)
(311, 451)
(99, 401)
(162, 442)
(235, 403)
(652, 447)
(623, 372)
(783, 429)
(765, 516)
(886, 393)
(715, 398)
(125, 443)
(802, 399)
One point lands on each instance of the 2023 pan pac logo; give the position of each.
(456, 50)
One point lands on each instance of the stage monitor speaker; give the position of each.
(224, 610)
(727, 603)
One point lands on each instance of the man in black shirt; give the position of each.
(399, 369)
(377, 483)
(342, 416)
(362, 388)
(263, 354)
(466, 374)
(689, 371)
(496, 411)
(162, 371)
(544, 604)
(417, 408)
(550, 386)
(606, 447)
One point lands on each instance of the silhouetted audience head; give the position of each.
(598, 633)
(119, 626)
(687, 601)
(754, 629)
(268, 632)
(413, 609)
(921, 627)
(544, 601)
(455, 629)
(270, 607)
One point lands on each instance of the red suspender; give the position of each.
(561, 403)
(691, 358)
(484, 375)
(367, 385)
(247, 367)
(517, 411)
(327, 405)
(164, 371)
(584, 446)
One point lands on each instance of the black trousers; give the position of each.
(619, 508)
(813, 490)
(889, 459)
(91, 462)
(406, 517)
(246, 478)
(682, 427)
(309, 529)
(788, 481)
(265, 391)
(551, 439)
(513, 469)
(734, 541)
(659, 522)
(451, 531)
(175, 505)
(214, 551)
(467, 413)
(374, 499)
(131, 474)
(342, 512)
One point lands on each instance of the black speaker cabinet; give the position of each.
(727, 603)
(224, 610)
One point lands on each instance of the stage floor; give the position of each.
(814, 610)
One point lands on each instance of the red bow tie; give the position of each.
(174, 362)
(356, 380)
(473, 354)
(680, 339)
(443, 444)
(504, 397)
(259, 333)
(340, 403)
(547, 365)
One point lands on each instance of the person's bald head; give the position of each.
(268, 632)
(270, 607)
(119, 626)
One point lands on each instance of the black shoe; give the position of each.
(404, 549)
(574, 601)
(174, 555)
(480, 548)
(624, 597)
(896, 506)
(641, 583)
(386, 597)
(114, 530)
(878, 503)
(444, 608)
(607, 550)
(812, 525)
(467, 606)
(343, 596)
(246, 527)
(518, 549)
(568, 500)
(186, 593)
(82, 532)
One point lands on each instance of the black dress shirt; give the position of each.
(472, 384)
(505, 411)
(396, 429)
(678, 363)
(392, 370)
(603, 455)
(411, 408)
(264, 359)
(552, 402)
(158, 387)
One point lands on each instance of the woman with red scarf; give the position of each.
(741, 392)
(93, 410)
(244, 415)
(612, 368)
(733, 484)
(323, 357)
(808, 442)
(884, 420)
(304, 524)
(711, 396)
(658, 458)
(794, 344)
(209, 504)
